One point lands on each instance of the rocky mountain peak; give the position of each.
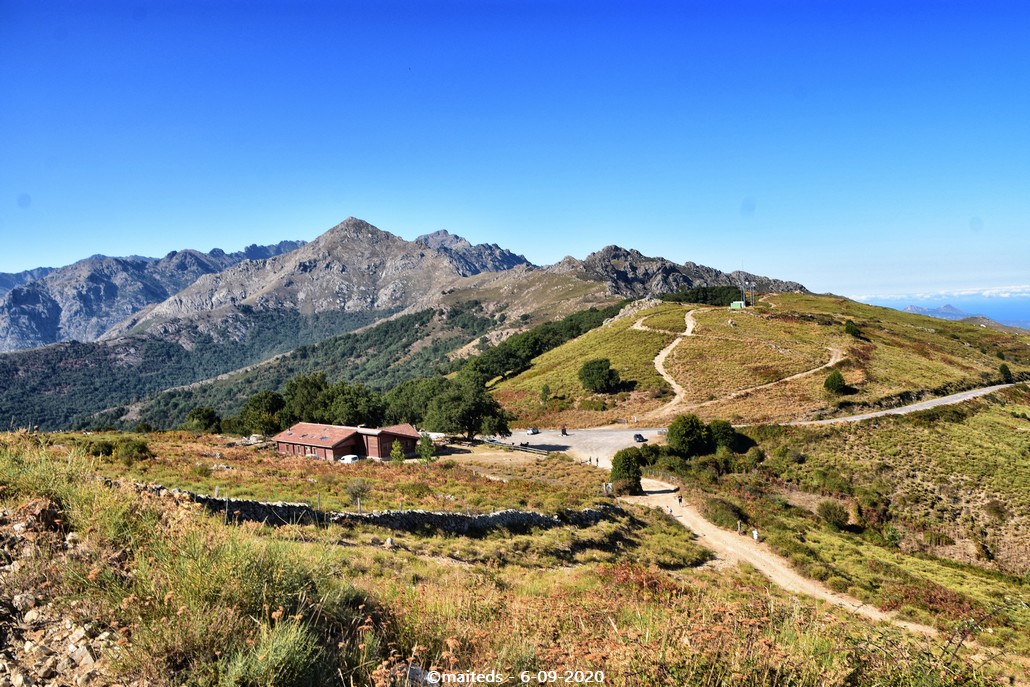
(468, 259)
(630, 273)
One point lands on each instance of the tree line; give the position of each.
(460, 404)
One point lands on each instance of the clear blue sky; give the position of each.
(858, 147)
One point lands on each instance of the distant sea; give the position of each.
(1013, 311)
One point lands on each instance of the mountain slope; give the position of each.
(630, 273)
(83, 300)
(468, 259)
(353, 267)
(9, 281)
(763, 364)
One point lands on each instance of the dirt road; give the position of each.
(601, 444)
(734, 548)
(905, 410)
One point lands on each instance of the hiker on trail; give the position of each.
(564, 432)
(754, 533)
(679, 499)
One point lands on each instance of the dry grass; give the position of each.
(301, 606)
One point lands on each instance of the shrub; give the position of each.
(833, 514)
(835, 383)
(595, 404)
(723, 434)
(1006, 373)
(852, 329)
(626, 469)
(749, 461)
(284, 654)
(723, 513)
(838, 584)
(98, 447)
(357, 489)
(688, 436)
(128, 451)
(598, 376)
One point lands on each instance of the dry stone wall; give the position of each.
(418, 521)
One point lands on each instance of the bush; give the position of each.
(833, 514)
(838, 584)
(284, 654)
(723, 513)
(835, 383)
(128, 451)
(852, 329)
(749, 461)
(1006, 373)
(723, 434)
(98, 447)
(689, 437)
(595, 404)
(598, 376)
(626, 469)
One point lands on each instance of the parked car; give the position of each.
(532, 430)
(349, 459)
(639, 438)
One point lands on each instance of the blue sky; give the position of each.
(864, 148)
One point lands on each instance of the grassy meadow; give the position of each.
(194, 602)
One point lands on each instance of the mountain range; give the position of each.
(82, 301)
(945, 312)
(129, 327)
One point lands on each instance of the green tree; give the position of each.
(465, 407)
(409, 401)
(723, 434)
(689, 436)
(425, 449)
(626, 474)
(397, 453)
(835, 383)
(306, 399)
(203, 419)
(260, 414)
(545, 394)
(355, 404)
(598, 376)
(1006, 373)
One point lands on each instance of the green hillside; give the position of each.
(738, 365)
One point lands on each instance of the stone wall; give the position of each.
(417, 521)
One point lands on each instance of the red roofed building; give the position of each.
(330, 442)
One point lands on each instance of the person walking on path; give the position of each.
(754, 533)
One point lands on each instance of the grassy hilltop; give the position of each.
(889, 357)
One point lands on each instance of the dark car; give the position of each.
(639, 438)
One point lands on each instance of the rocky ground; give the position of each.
(43, 642)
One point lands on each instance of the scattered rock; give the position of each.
(23, 602)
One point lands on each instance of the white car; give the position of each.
(349, 459)
(532, 430)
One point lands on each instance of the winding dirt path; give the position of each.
(733, 549)
(678, 402)
(679, 392)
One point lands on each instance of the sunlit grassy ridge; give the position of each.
(890, 356)
(631, 353)
(194, 602)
